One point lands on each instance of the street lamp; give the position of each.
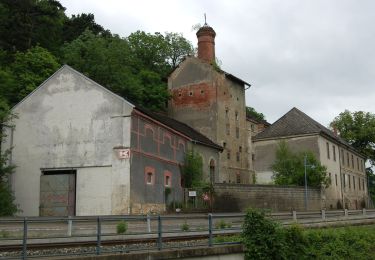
(312, 166)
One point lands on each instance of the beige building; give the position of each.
(345, 166)
(212, 101)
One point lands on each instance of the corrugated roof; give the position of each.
(180, 127)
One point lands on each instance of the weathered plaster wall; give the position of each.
(215, 106)
(265, 154)
(68, 122)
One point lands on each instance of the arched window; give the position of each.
(212, 171)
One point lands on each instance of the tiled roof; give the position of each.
(180, 127)
(295, 122)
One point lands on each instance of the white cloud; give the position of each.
(316, 55)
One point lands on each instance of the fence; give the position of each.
(96, 235)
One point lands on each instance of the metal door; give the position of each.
(57, 195)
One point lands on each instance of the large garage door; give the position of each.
(57, 193)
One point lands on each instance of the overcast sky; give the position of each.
(316, 55)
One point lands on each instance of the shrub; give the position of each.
(122, 227)
(185, 226)
(263, 238)
(222, 224)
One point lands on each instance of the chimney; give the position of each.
(206, 43)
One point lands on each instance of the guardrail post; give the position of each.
(148, 223)
(209, 229)
(346, 212)
(323, 214)
(98, 235)
(294, 215)
(24, 240)
(160, 240)
(70, 225)
(364, 212)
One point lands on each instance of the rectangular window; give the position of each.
(361, 165)
(334, 152)
(343, 180)
(359, 183)
(238, 156)
(228, 155)
(224, 144)
(149, 175)
(236, 115)
(227, 128)
(349, 181)
(363, 184)
(342, 156)
(327, 144)
(347, 159)
(354, 182)
(167, 178)
(336, 179)
(252, 157)
(237, 132)
(240, 149)
(352, 161)
(238, 178)
(357, 163)
(330, 177)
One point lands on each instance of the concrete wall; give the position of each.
(68, 122)
(234, 197)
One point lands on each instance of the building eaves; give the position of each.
(297, 123)
(180, 127)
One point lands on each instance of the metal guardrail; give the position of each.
(29, 231)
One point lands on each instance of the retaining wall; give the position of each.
(238, 197)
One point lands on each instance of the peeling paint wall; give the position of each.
(215, 106)
(70, 122)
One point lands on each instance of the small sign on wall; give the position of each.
(192, 193)
(123, 153)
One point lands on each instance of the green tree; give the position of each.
(251, 112)
(30, 69)
(7, 205)
(24, 24)
(289, 168)
(358, 129)
(77, 24)
(177, 48)
(192, 170)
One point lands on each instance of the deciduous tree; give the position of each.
(289, 168)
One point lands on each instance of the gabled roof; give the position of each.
(294, 123)
(227, 75)
(64, 68)
(184, 129)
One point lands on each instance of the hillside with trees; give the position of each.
(37, 38)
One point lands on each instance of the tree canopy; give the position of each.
(251, 112)
(37, 37)
(358, 129)
(289, 168)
